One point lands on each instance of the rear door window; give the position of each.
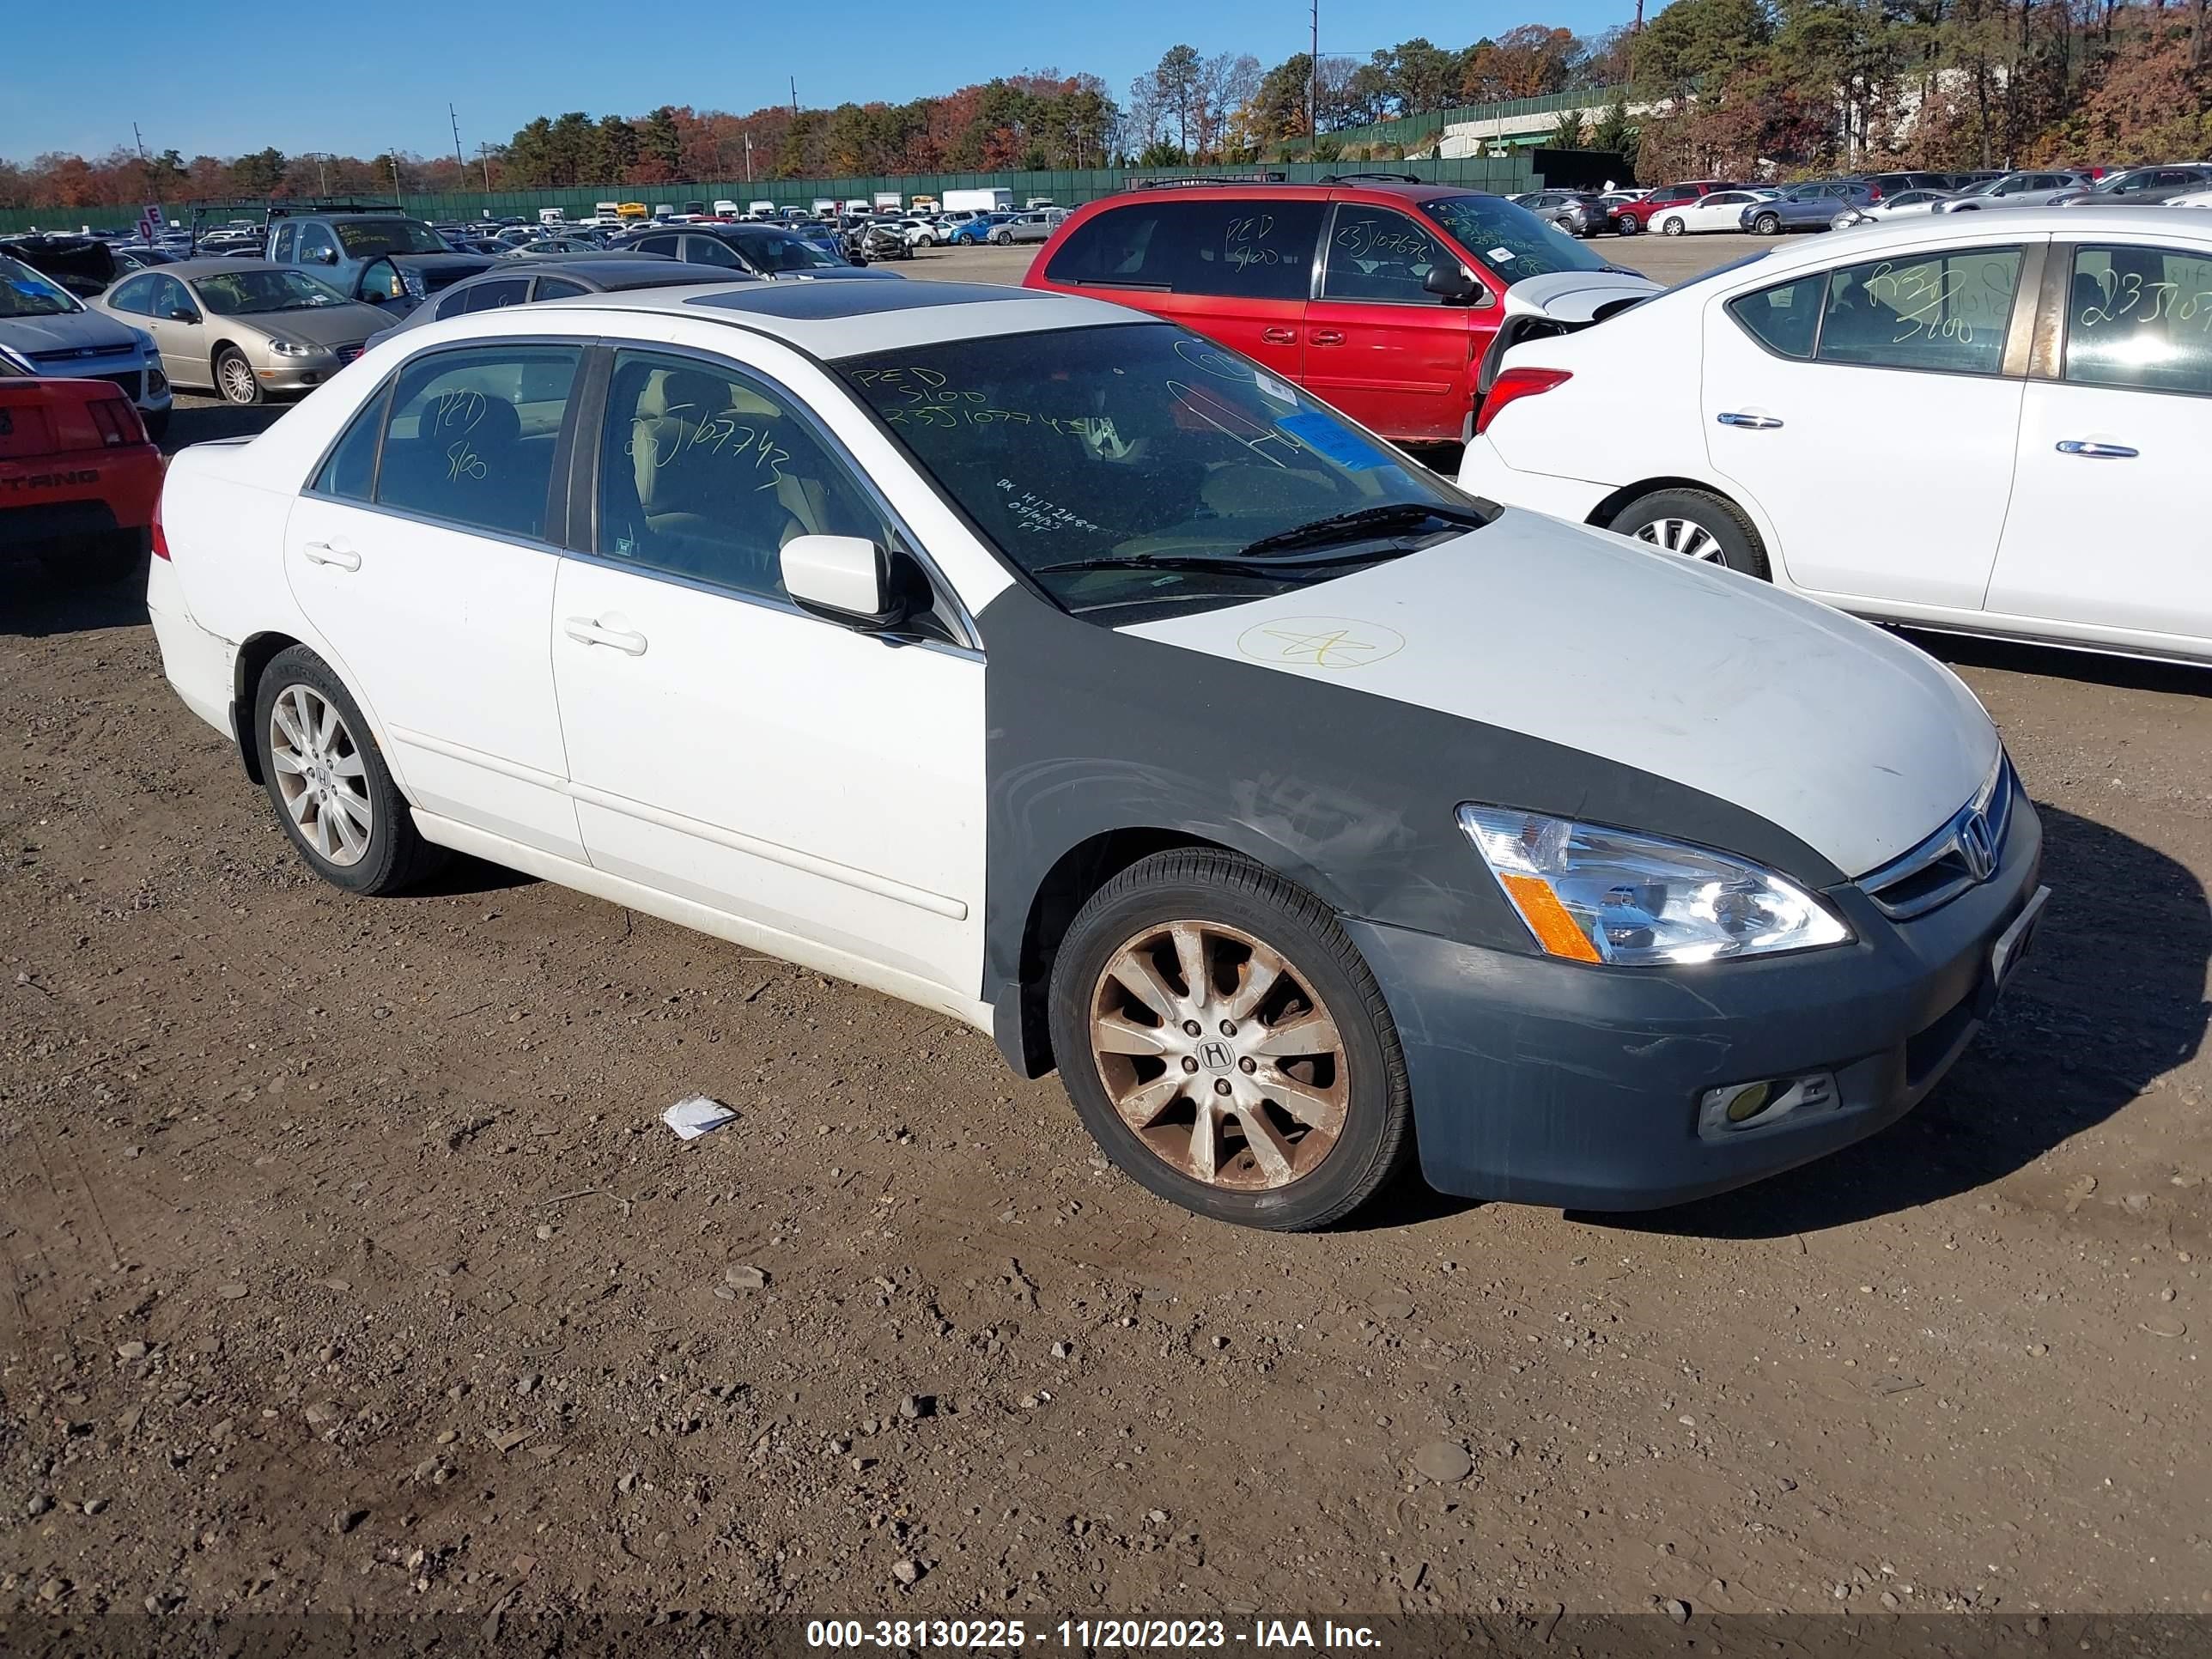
(1947, 311)
(502, 291)
(472, 434)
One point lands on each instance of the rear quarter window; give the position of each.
(1785, 319)
(1259, 249)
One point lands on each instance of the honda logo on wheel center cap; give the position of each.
(1214, 1056)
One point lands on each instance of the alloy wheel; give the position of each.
(238, 383)
(1219, 1056)
(1684, 536)
(320, 774)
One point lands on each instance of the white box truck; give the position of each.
(979, 201)
(824, 206)
(887, 201)
(761, 210)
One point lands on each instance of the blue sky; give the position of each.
(357, 79)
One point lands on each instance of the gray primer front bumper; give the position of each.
(1550, 1082)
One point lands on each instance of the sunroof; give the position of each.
(828, 298)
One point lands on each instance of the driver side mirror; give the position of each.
(1455, 285)
(843, 579)
(183, 314)
(324, 255)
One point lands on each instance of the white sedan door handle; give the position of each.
(331, 553)
(1749, 422)
(2089, 450)
(585, 631)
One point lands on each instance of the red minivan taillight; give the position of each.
(161, 541)
(1514, 384)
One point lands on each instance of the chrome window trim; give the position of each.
(1992, 806)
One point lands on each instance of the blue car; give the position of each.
(977, 231)
(1807, 207)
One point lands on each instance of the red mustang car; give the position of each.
(78, 480)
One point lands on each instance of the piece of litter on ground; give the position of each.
(697, 1116)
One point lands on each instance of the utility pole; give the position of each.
(1313, 86)
(322, 174)
(456, 120)
(749, 158)
(483, 153)
(794, 98)
(393, 156)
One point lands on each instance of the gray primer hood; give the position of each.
(1850, 741)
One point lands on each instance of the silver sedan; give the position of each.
(244, 327)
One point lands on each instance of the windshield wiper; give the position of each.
(1227, 564)
(1367, 521)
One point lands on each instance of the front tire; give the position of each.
(1002, 237)
(332, 792)
(1672, 225)
(1767, 224)
(1226, 1046)
(235, 380)
(1695, 525)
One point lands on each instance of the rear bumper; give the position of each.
(1550, 1082)
(51, 499)
(199, 665)
(1484, 472)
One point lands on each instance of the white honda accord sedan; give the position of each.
(1991, 423)
(1043, 664)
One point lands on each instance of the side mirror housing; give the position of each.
(1454, 285)
(180, 314)
(845, 579)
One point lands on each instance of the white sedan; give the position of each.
(1722, 210)
(2041, 380)
(1114, 697)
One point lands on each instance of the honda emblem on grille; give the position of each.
(1978, 846)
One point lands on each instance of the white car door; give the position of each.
(1722, 210)
(1823, 395)
(420, 553)
(2107, 529)
(821, 782)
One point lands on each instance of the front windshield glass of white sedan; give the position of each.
(24, 293)
(1140, 467)
(250, 293)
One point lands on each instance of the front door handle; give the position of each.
(585, 631)
(2092, 451)
(1328, 337)
(1748, 423)
(1280, 335)
(330, 553)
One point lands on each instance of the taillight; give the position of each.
(161, 541)
(118, 421)
(1514, 384)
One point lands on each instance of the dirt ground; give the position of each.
(349, 1269)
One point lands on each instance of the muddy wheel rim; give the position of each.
(1219, 1055)
(320, 774)
(1684, 536)
(238, 379)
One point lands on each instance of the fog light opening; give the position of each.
(1747, 1107)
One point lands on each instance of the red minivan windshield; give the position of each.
(1509, 239)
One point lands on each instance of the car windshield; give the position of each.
(1509, 239)
(773, 251)
(365, 239)
(1138, 467)
(1985, 187)
(250, 293)
(24, 293)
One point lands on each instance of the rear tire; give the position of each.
(1333, 1119)
(327, 779)
(1695, 524)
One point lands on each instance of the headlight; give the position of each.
(292, 347)
(14, 362)
(412, 282)
(1592, 894)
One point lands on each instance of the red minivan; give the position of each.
(1377, 293)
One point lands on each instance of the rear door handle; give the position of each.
(334, 553)
(585, 631)
(2092, 451)
(1280, 335)
(1328, 337)
(1748, 423)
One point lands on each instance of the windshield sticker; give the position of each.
(1278, 390)
(1033, 513)
(1503, 255)
(1336, 642)
(1322, 435)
